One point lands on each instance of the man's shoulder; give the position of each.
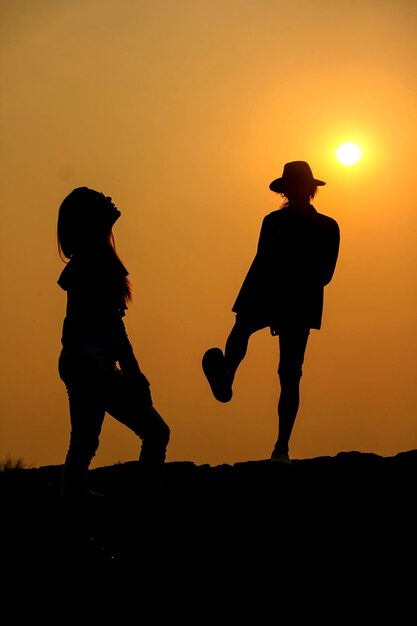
(313, 215)
(328, 221)
(276, 215)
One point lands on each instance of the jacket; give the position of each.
(95, 309)
(295, 259)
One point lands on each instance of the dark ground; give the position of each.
(228, 540)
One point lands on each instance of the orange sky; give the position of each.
(184, 111)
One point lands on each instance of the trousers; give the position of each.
(96, 386)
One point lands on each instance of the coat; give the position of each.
(295, 259)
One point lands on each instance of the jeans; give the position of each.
(96, 386)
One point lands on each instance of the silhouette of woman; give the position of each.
(97, 362)
(283, 290)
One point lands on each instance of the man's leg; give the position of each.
(292, 345)
(220, 368)
(237, 342)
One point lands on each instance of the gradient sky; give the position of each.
(184, 111)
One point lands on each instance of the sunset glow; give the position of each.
(184, 112)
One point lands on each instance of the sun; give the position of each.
(348, 153)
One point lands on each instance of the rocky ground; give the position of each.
(329, 531)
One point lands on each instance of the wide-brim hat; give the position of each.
(295, 172)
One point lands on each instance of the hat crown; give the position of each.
(297, 170)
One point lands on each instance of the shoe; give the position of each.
(214, 368)
(281, 457)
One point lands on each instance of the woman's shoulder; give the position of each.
(66, 278)
(77, 271)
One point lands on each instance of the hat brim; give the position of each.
(278, 185)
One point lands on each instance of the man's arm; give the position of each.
(331, 248)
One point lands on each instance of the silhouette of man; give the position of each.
(283, 290)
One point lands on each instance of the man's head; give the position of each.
(297, 181)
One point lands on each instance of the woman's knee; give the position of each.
(152, 427)
(82, 450)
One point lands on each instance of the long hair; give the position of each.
(81, 224)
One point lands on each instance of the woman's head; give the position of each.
(85, 219)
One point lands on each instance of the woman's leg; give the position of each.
(130, 403)
(87, 415)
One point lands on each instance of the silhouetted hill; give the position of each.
(333, 525)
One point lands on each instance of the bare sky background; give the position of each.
(184, 111)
